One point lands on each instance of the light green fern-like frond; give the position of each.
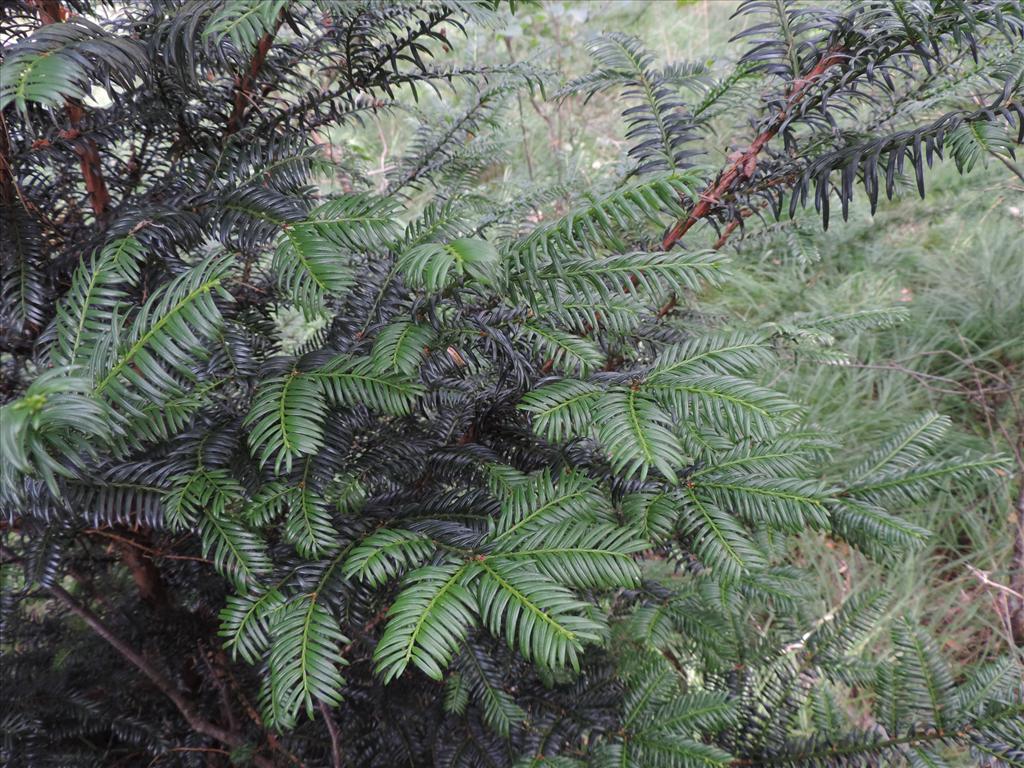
(61, 61)
(499, 707)
(907, 448)
(386, 553)
(561, 409)
(305, 659)
(637, 433)
(566, 351)
(580, 555)
(245, 622)
(728, 403)
(352, 381)
(601, 221)
(719, 539)
(97, 293)
(545, 500)
(543, 621)
(208, 500)
(309, 268)
(313, 256)
(736, 354)
(286, 419)
(161, 344)
(237, 552)
(428, 621)
(912, 485)
(243, 23)
(642, 276)
(435, 266)
(401, 346)
(51, 430)
(309, 525)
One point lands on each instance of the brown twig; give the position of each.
(744, 163)
(244, 83)
(332, 730)
(156, 553)
(53, 12)
(187, 710)
(986, 579)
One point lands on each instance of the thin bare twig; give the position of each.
(332, 730)
(986, 579)
(142, 547)
(188, 711)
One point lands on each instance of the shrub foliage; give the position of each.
(431, 531)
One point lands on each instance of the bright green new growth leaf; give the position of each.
(200, 492)
(313, 258)
(245, 622)
(564, 351)
(309, 267)
(286, 419)
(546, 499)
(309, 525)
(305, 659)
(652, 515)
(435, 266)
(542, 620)
(580, 555)
(719, 539)
(208, 501)
(237, 552)
(61, 61)
(243, 22)
(428, 621)
(562, 409)
(401, 347)
(55, 418)
(151, 358)
(387, 553)
(356, 381)
(637, 433)
(480, 679)
(98, 293)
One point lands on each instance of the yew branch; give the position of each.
(743, 164)
(245, 82)
(53, 12)
(188, 711)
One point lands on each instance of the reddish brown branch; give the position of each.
(1017, 568)
(89, 161)
(150, 551)
(332, 731)
(244, 83)
(8, 188)
(52, 12)
(743, 164)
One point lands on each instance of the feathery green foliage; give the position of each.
(504, 416)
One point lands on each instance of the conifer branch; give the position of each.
(186, 708)
(743, 164)
(244, 83)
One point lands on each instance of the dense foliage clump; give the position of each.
(434, 528)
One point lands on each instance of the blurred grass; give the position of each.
(955, 261)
